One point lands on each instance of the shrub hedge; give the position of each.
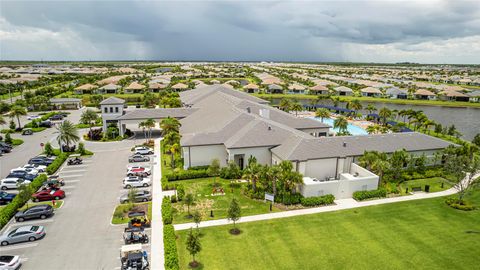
(59, 160)
(187, 174)
(170, 248)
(167, 215)
(7, 212)
(289, 199)
(460, 205)
(363, 195)
(316, 201)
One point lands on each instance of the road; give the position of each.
(31, 146)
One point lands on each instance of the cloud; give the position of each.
(241, 30)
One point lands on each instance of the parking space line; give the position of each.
(72, 171)
(68, 193)
(71, 181)
(72, 175)
(77, 166)
(67, 187)
(17, 246)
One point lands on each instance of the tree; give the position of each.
(355, 104)
(476, 140)
(341, 123)
(234, 213)
(251, 172)
(197, 218)
(67, 134)
(48, 150)
(149, 124)
(17, 111)
(288, 178)
(96, 99)
(214, 170)
(379, 166)
(2, 120)
(171, 138)
(385, 113)
(89, 117)
(296, 107)
(371, 108)
(142, 125)
(462, 166)
(189, 201)
(322, 113)
(8, 138)
(285, 104)
(193, 246)
(372, 129)
(169, 125)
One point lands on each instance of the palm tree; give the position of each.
(285, 104)
(89, 117)
(252, 172)
(67, 133)
(296, 107)
(2, 120)
(17, 111)
(379, 166)
(149, 124)
(170, 125)
(341, 123)
(143, 127)
(371, 108)
(175, 148)
(171, 138)
(385, 113)
(335, 101)
(355, 104)
(322, 113)
(371, 129)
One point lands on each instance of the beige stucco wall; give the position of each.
(203, 155)
(262, 154)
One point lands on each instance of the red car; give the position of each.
(48, 194)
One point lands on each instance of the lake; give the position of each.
(466, 120)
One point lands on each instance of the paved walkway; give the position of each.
(157, 253)
(339, 205)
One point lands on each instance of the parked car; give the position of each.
(27, 131)
(10, 262)
(140, 196)
(39, 168)
(33, 117)
(138, 158)
(142, 150)
(131, 178)
(23, 169)
(48, 195)
(136, 182)
(56, 117)
(6, 145)
(53, 181)
(46, 123)
(6, 198)
(22, 234)
(4, 149)
(30, 177)
(12, 183)
(135, 169)
(22, 175)
(41, 160)
(41, 211)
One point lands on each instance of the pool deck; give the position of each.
(359, 123)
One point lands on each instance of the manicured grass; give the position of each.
(434, 182)
(423, 234)
(202, 189)
(374, 99)
(122, 209)
(58, 204)
(16, 142)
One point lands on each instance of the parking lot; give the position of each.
(80, 234)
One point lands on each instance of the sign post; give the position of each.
(270, 197)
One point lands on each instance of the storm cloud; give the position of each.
(373, 31)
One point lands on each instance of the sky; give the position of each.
(428, 31)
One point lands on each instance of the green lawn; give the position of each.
(434, 182)
(122, 210)
(202, 188)
(58, 204)
(423, 234)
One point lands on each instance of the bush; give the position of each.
(170, 248)
(232, 171)
(7, 212)
(196, 168)
(48, 150)
(167, 215)
(81, 149)
(316, 201)
(8, 138)
(187, 174)
(173, 199)
(59, 160)
(180, 192)
(289, 199)
(368, 194)
(459, 204)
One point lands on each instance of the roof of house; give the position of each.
(371, 90)
(424, 92)
(135, 86)
(395, 91)
(195, 95)
(319, 87)
(156, 85)
(157, 113)
(251, 86)
(296, 86)
(452, 94)
(297, 148)
(112, 101)
(86, 87)
(343, 89)
(274, 87)
(110, 86)
(180, 86)
(65, 100)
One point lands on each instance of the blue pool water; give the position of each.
(354, 130)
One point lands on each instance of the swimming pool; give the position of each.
(354, 130)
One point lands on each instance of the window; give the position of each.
(106, 110)
(116, 109)
(111, 109)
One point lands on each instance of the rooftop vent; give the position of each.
(344, 144)
(269, 127)
(249, 110)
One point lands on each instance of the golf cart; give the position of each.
(75, 160)
(27, 131)
(138, 219)
(53, 181)
(133, 258)
(135, 236)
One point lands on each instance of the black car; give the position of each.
(6, 145)
(30, 177)
(41, 211)
(17, 174)
(56, 117)
(5, 149)
(45, 123)
(40, 161)
(5, 197)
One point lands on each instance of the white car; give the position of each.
(39, 168)
(22, 169)
(134, 169)
(134, 181)
(142, 150)
(12, 183)
(33, 117)
(10, 262)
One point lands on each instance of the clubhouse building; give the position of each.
(221, 123)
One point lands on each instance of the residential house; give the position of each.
(371, 92)
(343, 91)
(424, 94)
(453, 96)
(251, 88)
(134, 88)
(274, 89)
(296, 89)
(474, 96)
(85, 89)
(179, 87)
(396, 93)
(109, 89)
(318, 90)
(156, 87)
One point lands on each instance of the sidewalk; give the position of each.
(156, 254)
(341, 204)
